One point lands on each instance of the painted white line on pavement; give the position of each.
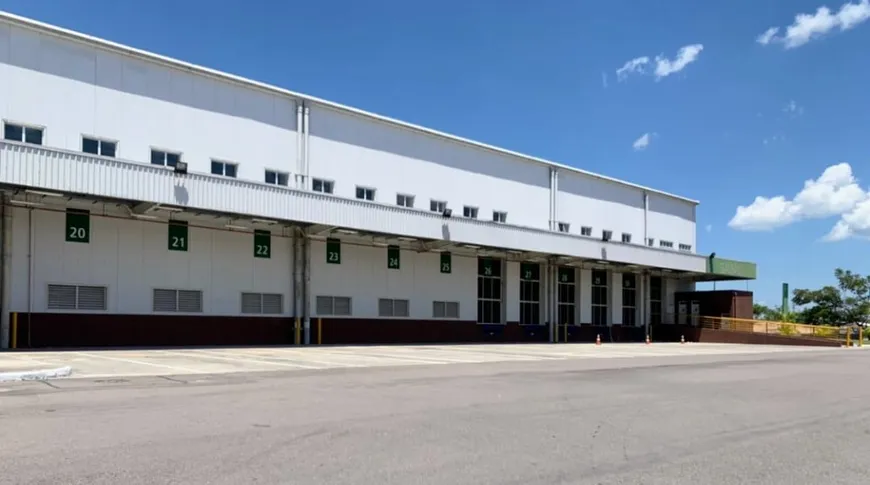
(321, 364)
(410, 359)
(141, 362)
(205, 354)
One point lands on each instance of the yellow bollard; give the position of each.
(860, 336)
(319, 331)
(566, 333)
(297, 332)
(13, 339)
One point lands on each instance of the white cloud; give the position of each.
(767, 36)
(835, 193)
(636, 65)
(685, 56)
(793, 109)
(604, 79)
(709, 228)
(807, 27)
(642, 142)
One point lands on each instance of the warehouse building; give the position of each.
(147, 201)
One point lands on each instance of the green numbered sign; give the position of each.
(78, 226)
(487, 267)
(262, 244)
(529, 271)
(333, 251)
(566, 275)
(393, 261)
(178, 240)
(446, 263)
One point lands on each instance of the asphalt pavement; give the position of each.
(779, 418)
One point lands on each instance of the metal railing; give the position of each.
(766, 327)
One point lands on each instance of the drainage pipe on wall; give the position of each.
(299, 141)
(307, 150)
(552, 199)
(555, 195)
(645, 217)
(5, 270)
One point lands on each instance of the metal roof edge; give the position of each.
(178, 64)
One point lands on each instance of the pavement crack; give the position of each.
(49, 384)
(179, 381)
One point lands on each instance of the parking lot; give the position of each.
(111, 363)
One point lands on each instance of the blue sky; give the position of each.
(742, 119)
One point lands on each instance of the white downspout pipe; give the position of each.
(645, 217)
(555, 195)
(299, 146)
(307, 152)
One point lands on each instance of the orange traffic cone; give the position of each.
(682, 339)
(648, 340)
(598, 339)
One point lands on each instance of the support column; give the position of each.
(5, 269)
(306, 288)
(615, 298)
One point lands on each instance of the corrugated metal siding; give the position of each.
(51, 169)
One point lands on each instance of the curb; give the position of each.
(35, 375)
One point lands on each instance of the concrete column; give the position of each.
(615, 298)
(306, 288)
(511, 285)
(5, 269)
(585, 288)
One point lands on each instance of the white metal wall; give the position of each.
(363, 275)
(352, 150)
(131, 259)
(74, 90)
(671, 220)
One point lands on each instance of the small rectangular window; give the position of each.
(73, 297)
(333, 305)
(21, 133)
(393, 308)
(685, 247)
(365, 193)
(263, 303)
(564, 227)
(405, 200)
(438, 206)
(666, 244)
(469, 212)
(626, 238)
(277, 178)
(498, 216)
(164, 158)
(445, 309)
(586, 231)
(225, 169)
(606, 235)
(323, 186)
(96, 146)
(650, 242)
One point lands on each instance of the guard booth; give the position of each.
(691, 305)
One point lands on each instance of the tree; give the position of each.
(763, 312)
(844, 304)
